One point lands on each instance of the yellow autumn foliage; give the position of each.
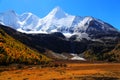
(13, 51)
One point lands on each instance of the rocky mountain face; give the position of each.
(57, 43)
(57, 21)
(62, 33)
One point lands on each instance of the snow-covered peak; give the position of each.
(27, 16)
(28, 21)
(24, 16)
(10, 12)
(83, 24)
(57, 13)
(87, 20)
(10, 18)
(56, 21)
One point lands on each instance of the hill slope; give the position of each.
(92, 50)
(114, 55)
(13, 51)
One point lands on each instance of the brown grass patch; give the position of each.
(73, 71)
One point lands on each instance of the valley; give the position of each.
(75, 70)
(58, 46)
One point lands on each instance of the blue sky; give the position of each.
(106, 10)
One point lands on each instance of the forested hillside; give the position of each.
(13, 51)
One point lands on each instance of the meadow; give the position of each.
(73, 71)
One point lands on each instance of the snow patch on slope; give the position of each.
(76, 57)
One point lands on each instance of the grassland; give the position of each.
(73, 71)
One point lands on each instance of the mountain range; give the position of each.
(56, 21)
(62, 35)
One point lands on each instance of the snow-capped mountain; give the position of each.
(56, 21)
(28, 22)
(10, 18)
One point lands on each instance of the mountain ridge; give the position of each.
(57, 45)
(56, 21)
(62, 33)
(13, 51)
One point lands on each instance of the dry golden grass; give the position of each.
(73, 71)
